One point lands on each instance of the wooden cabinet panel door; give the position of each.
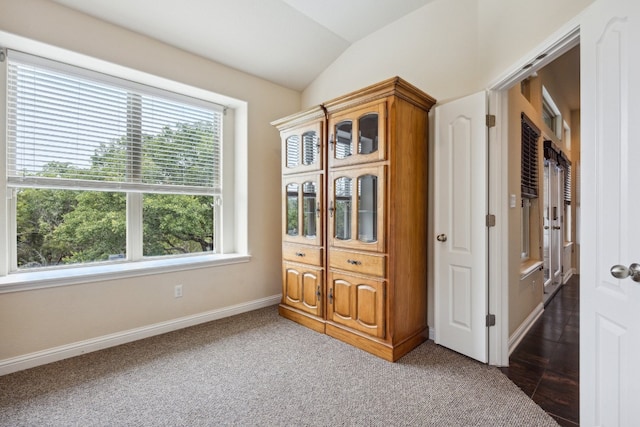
(358, 135)
(302, 288)
(357, 302)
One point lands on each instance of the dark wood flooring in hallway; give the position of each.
(545, 365)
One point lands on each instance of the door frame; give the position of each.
(554, 46)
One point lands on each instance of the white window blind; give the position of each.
(73, 128)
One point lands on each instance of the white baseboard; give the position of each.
(568, 275)
(524, 327)
(38, 358)
(432, 333)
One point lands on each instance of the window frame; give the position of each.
(525, 229)
(232, 231)
(549, 106)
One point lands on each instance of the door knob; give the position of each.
(442, 237)
(622, 272)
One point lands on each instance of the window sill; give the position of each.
(529, 267)
(29, 280)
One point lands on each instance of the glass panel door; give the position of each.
(311, 209)
(344, 139)
(302, 148)
(292, 210)
(546, 233)
(343, 207)
(356, 208)
(292, 151)
(301, 209)
(310, 148)
(368, 133)
(367, 208)
(357, 135)
(552, 225)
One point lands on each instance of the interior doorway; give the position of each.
(545, 363)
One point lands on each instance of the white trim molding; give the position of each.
(55, 354)
(524, 327)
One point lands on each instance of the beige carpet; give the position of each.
(257, 369)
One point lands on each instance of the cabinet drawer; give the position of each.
(358, 262)
(304, 254)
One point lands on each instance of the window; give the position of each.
(567, 202)
(551, 114)
(528, 179)
(104, 169)
(529, 159)
(526, 229)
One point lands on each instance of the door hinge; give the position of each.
(491, 220)
(491, 120)
(491, 320)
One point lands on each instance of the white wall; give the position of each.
(434, 48)
(37, 320)
(449, 49)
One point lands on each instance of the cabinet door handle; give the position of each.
(330, 295)
(331, 208)
(331, 143)
(300, 254)
(318, 293)
(354, 262)
(318, 209)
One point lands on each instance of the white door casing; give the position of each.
(610, 213)
(460, 252)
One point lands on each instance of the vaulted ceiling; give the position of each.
(288, 42)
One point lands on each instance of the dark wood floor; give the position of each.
(545, 365)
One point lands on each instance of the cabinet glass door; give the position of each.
(292, 214)
(367, 208)
(302, 148)
(311, 208)
(343, 207)
(357, 135)
(356, 208)
(301, 210)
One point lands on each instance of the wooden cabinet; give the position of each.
(302, 287)
(357, 302)
(357, 270)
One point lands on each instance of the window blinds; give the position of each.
(567, 185)
(77, 129)
(552, 152)
(529, 162)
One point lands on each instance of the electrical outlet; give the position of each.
(177, 291)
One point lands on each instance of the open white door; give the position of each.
(610, 214)
(460, 252)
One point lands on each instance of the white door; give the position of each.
(460, 252)
(610, 213)
(552, 216)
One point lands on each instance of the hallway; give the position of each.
(545, 365)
